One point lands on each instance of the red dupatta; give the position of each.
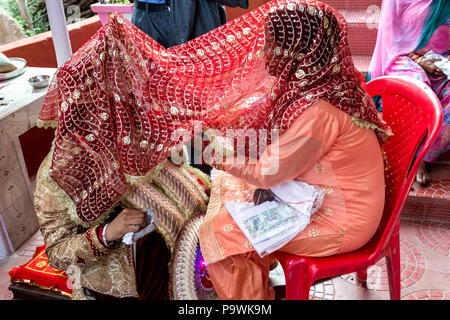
(121, 97)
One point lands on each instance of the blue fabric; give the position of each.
(153, 1)
(186, 20)
(439, 13)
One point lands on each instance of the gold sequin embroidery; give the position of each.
(300, 74)
(90, 137)
(314, 232)
(336, 68)
(318, 168)
(228, 227)
(311, 11)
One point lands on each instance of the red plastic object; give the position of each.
(414, 113)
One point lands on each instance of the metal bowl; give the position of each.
(40, 81)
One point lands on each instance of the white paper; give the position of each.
(297, 194)
(272, 224)
(128, 238)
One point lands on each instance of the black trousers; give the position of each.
(157, 24)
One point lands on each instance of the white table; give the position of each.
(17, 218)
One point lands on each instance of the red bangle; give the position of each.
(97, 253)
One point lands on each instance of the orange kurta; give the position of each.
(322, 147)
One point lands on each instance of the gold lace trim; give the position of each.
(201, 176)
(148, 177)
(159, 185)
(46, 124)
(364, 124)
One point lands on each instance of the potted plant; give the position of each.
(105, 7)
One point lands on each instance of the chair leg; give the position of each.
(298, 283)
(393, 266)
(362, 276)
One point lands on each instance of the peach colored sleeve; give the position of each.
(296, 151)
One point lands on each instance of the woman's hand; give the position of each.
(430, 68)
(129, 220)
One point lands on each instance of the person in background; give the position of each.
(174, 22)
(409, 29)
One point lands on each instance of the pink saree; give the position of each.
(402, 23)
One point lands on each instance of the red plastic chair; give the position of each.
(414, 113)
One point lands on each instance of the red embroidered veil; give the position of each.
(117, 102)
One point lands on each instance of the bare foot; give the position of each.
(423, 175)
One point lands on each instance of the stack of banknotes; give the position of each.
(272, 224)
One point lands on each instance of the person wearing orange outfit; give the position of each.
(123, 104)
(325, 146)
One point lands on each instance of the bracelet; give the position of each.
(419, 60)
(105, 242)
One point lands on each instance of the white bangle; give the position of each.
(105, 242)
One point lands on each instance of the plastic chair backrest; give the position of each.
(414, 113)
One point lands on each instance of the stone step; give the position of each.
(362, 21)
(362, 32)
(433, 201)
(361, 39)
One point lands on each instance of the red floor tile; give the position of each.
(427, 295)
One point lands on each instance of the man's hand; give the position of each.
(129, 220)
(430, 68)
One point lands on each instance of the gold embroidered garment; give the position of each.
(175, 194)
